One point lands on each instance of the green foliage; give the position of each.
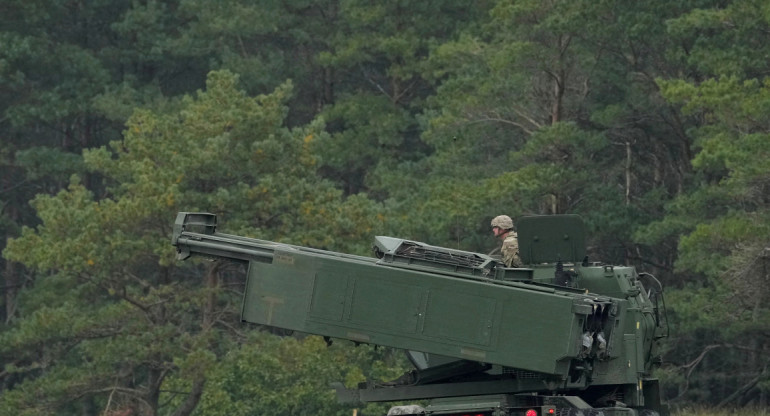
(42, 162)
(289, 376)
(416, 119)
(729, 209)
(223, 152)
(377, 59)
(724, 40)
(373, 132)
(722, 220)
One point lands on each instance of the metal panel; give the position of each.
(523, 327)
(329, 294)
(390, 307)
(550, 238)
(471, 317)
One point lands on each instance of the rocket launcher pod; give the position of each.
(472, 326)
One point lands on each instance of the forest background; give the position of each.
(324, 123)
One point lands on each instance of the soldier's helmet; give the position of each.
(503, 221)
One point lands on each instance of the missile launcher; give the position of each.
(560, 335)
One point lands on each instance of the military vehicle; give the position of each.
(560, 336)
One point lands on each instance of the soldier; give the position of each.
(502, 226)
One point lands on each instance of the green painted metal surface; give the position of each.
(561, 324)
(511, 324)
(548, 239)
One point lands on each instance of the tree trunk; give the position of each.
(628, 173)
(558, 96)
(11, 276)
(189, 404)
(11, 289)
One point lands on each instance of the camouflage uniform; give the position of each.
(502, 225)
(510, 250)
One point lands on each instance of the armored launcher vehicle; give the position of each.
(559, 336)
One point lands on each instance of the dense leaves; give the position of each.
(324, 123)
(222, 151)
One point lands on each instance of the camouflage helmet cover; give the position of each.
(503, 221)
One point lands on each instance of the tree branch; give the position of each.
(690, 367)
(500, 120)
(189, 404)
(744, 389)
